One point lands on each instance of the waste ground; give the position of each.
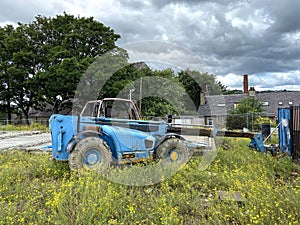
(24, 140)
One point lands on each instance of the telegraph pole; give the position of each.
(141, 94)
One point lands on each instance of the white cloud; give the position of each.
(232, 81)
(270, 81)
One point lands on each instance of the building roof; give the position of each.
(220, 105)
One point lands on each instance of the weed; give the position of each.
(36, 190)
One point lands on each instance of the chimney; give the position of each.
(246, 84)
(202, 98)
(252, 92)
(206, 90)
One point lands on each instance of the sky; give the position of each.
(230, 38)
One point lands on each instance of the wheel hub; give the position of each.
(92, 159)
(174, 156)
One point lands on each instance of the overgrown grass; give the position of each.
(37, 190)
(32, 127)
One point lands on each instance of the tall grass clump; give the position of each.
(259, 189)
(32, 127)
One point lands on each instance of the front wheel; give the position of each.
(173, 150)
(91, 153)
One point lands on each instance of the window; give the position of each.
(265, 103)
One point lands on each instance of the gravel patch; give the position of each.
(24, 140)
(12, 134)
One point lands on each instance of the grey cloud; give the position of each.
(10, 11)
(163, 3)
(162, 52)
(230, 36)
(134, 4)
(25, 11)
(286, 15)
(266, 53)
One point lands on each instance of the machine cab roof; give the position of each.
(111, 108)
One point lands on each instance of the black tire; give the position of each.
(173, 150)
(91, 153)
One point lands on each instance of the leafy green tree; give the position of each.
(162, 94)
(195, 82)
(47, 57)
(232, 92)
(103, 78)
(157, 107)
(6, 88)
(111, 76)
(17, 69)
(250, 105)
(71, 44)
(123, 77)
(245, 115)
(22, 71)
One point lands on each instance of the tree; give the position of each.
(22, 72)
(47, 57)
(161, 91)
(195, 82)
(162, 94)
(6, 89)
(120, 79)
(70, 45)
(101, 79)
(248, 110)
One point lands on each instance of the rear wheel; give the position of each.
(173, 150)
(91, 153)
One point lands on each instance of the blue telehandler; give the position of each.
(110, 131)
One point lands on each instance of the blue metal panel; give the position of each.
(284, 116)
(257, 143)
(62, 130)
(124, 141)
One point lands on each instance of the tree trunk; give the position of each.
(25, 112)
(8, 111)
(27, 119)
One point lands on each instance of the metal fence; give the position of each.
(251, 121)
(19, 122)
(295, 129)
